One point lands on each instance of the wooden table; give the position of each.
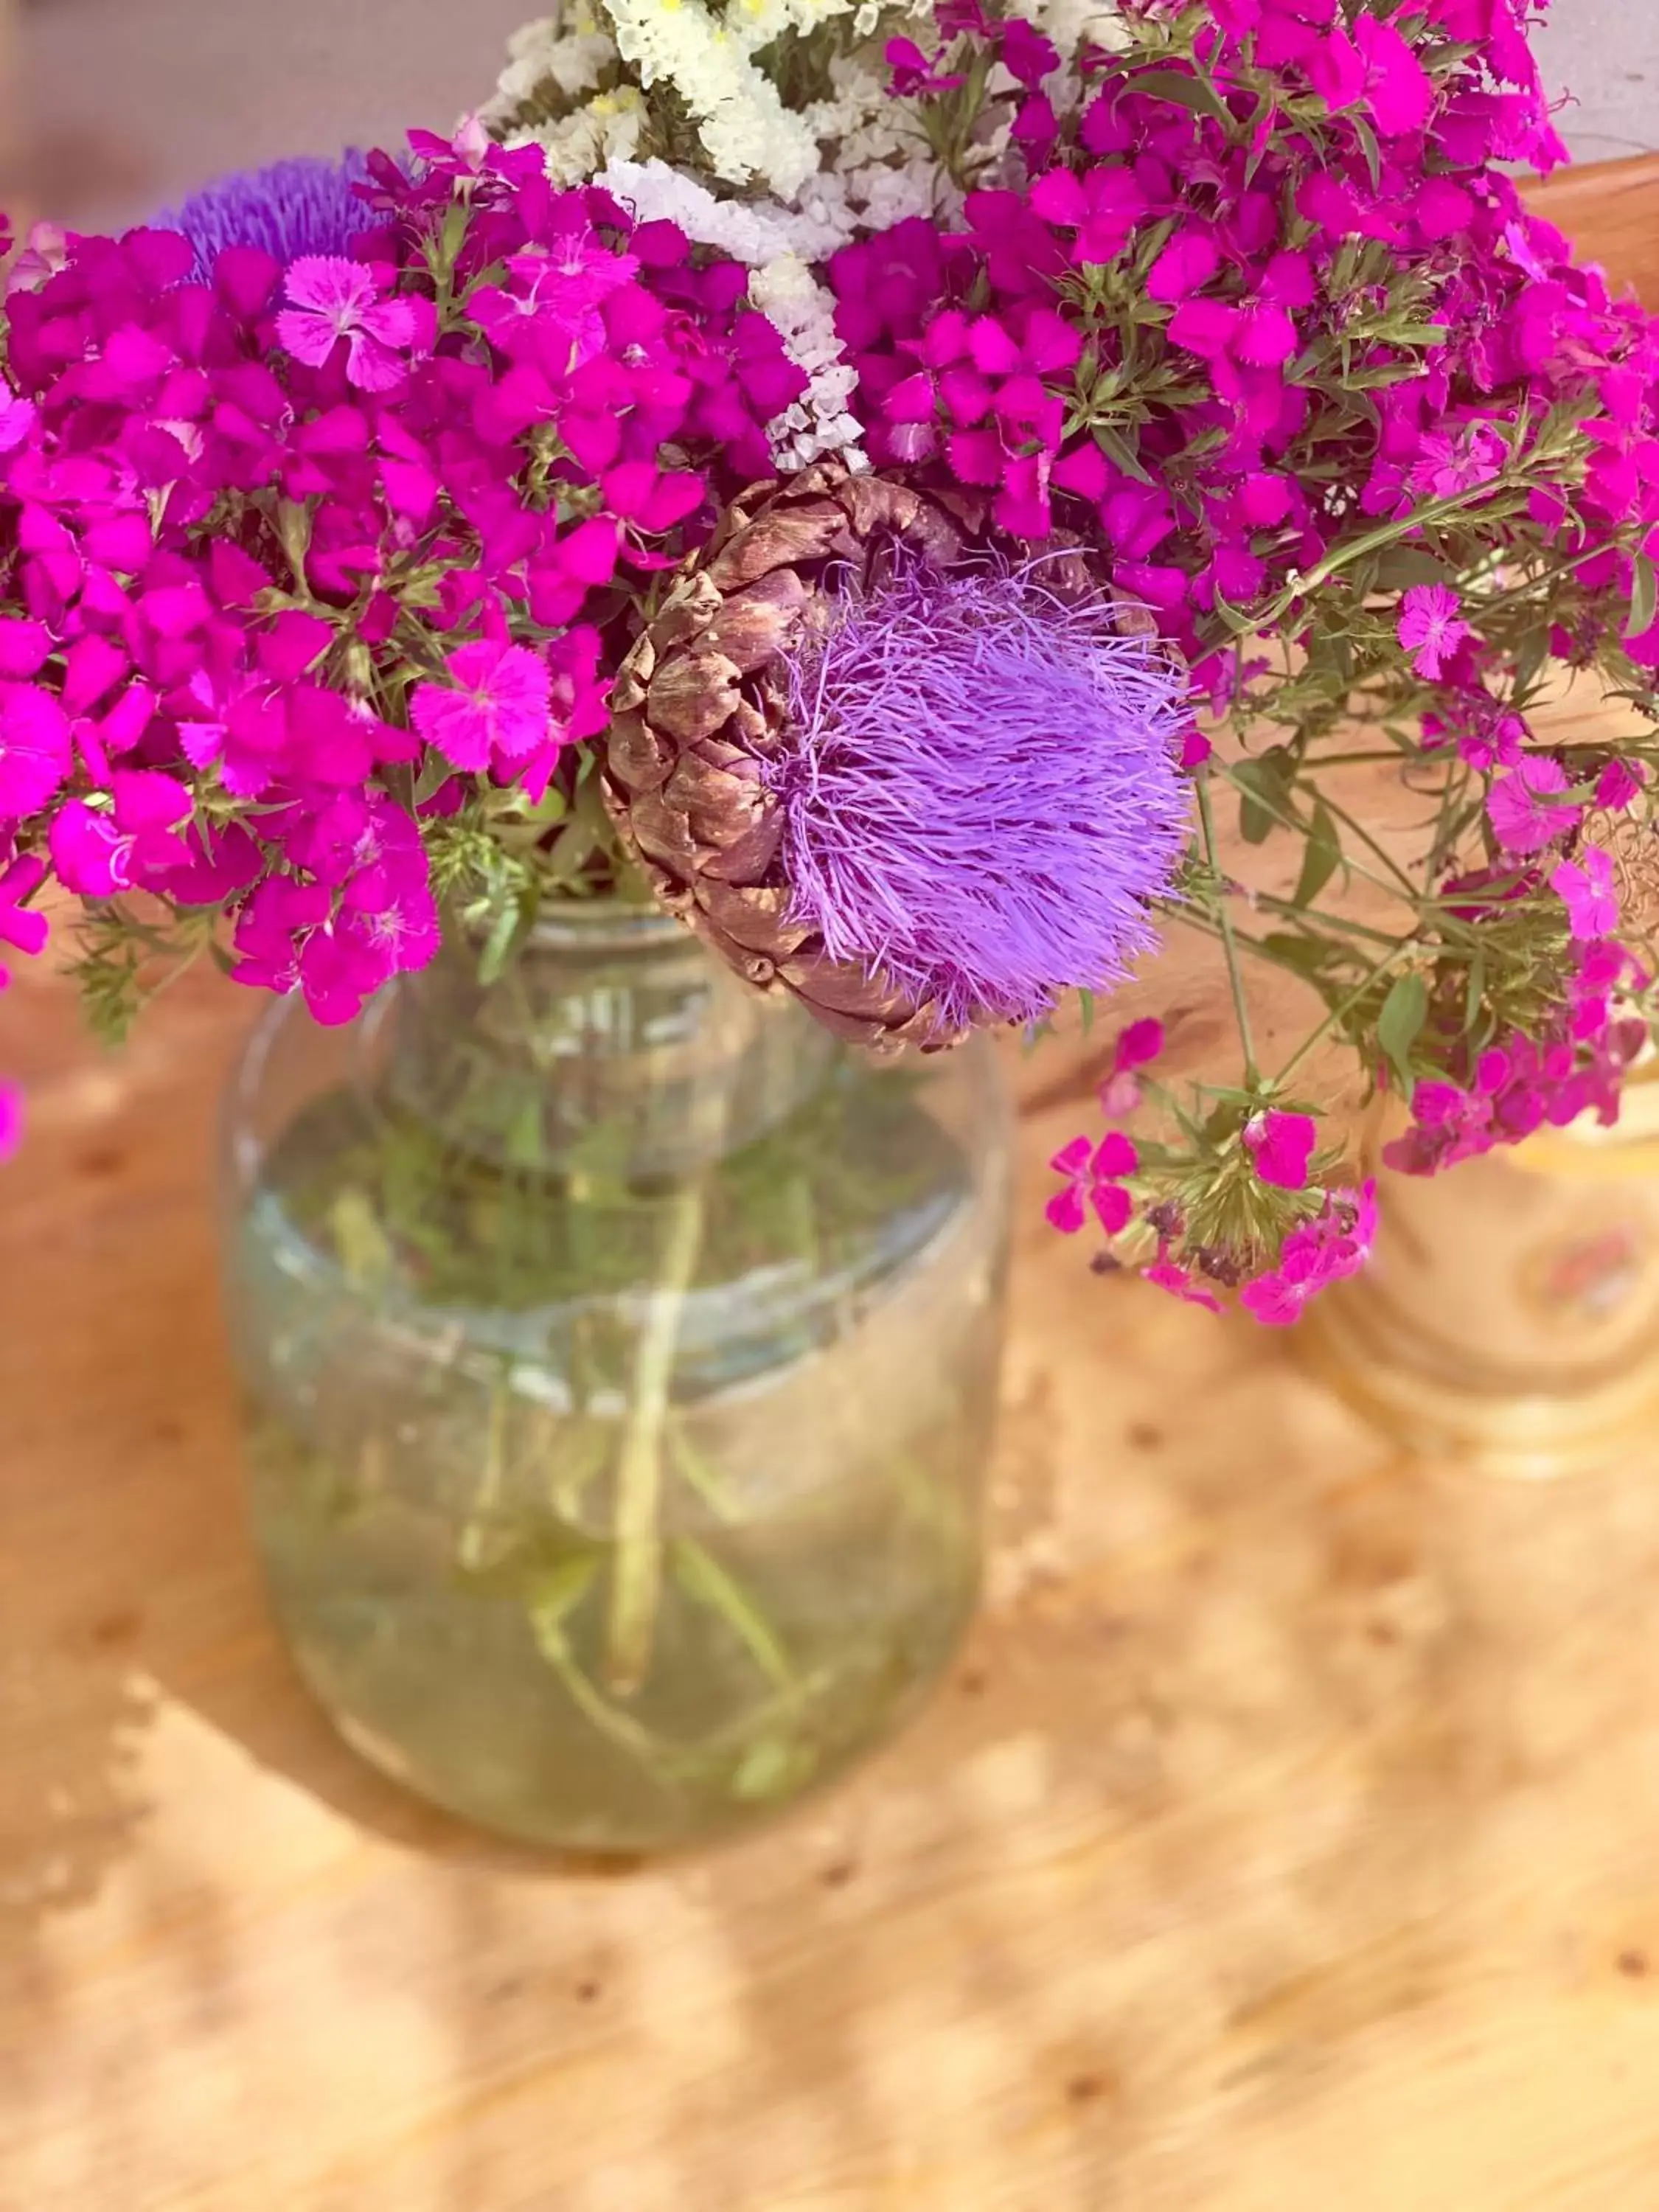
(1287, 1835)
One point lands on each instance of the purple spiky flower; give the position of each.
(302, 206)
(981, 790)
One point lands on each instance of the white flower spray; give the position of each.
(783, 188)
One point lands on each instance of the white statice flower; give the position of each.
(746, 131)
(579, 146)
(756, 23)
(821, 421)
(861, 120)
(788, 188)
(1071, 24)
(571, 51)
(781, 246)
(881, 196)
(753, 232)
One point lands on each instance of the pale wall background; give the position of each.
(1606, 53)
(118, 105)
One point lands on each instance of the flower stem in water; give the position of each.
(636, 1578)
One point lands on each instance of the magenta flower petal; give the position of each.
(1397, 87)
(1430, 628)
(329, 284)
(11, 1120)
(331, 298)
(1138, 1045)
(1065, 1211)
(1186, 264)
(1206, 327)
(88, 851)
(25, 648)
(1275, 1302)
(1114, 1156)
(20, 926)
(1113, 1206)
(1072, 1159)
(34, 750)
(1585, 888)
(372, 366)
(1619, 785)
(499, 700)
(1281, 1145)
(1522, 807)
(1167, 1275)
(309, 337)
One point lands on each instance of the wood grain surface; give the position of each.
(1287, 1835)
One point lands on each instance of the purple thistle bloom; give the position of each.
(303, 206)
(982, 795)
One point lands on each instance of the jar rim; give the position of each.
(603, 924)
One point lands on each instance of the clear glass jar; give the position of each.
(620, 1356)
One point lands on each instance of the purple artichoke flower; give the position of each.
(980, 787)
(303, 206)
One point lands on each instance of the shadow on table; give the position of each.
(1257, 1737)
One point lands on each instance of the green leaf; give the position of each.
(1400, 1022)
(1476, 996)
(510, 926)
(1403, 566)
(454, 233)
(1304, 956)
(1321, 860)
(1118, 450)
(772, 1767)
(1264, 784)
(1189, 92)
(1368, 146)
(1644, 599)
(435, 774)
(1530, 657)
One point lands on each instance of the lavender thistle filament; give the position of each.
(980, 788)
(306, 205)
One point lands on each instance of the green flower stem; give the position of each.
(492, 1481)
(637, 1570)
(1394, 755)
(1340, 1011)
(1286, 820)
(1378, 541)
(1224, 923)
(1545, 581)
(636, 1577)
(1318, 919)
(1359, 830)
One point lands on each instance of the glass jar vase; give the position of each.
(1509, 1320)
(620, 1357)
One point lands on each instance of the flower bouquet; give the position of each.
(896, 491)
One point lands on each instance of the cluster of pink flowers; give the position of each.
(1523, 1083)
(999, 358)
(300, 556)
(1153, 346)
(1131, 1191)
(311, 562)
